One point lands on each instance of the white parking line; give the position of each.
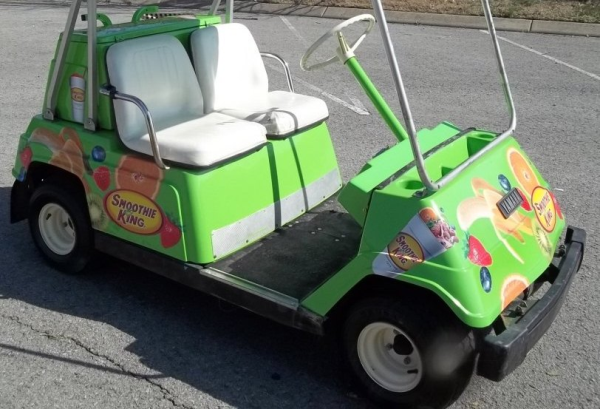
(293, 30)
(556, 60)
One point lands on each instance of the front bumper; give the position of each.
(503, 353)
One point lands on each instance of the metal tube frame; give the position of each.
(112, 93)
(286, 68)
(59, 64)
(90, 121)
(92, 77)
(406, 113)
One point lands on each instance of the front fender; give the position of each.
(19, 201)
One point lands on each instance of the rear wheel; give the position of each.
(407, 355)
(60, 227)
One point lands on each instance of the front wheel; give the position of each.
(408, 355)
(60, 227)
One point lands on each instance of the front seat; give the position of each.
(158, 70)
(234, 81)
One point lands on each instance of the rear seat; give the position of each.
(158, 70)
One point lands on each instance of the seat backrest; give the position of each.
(229, 67)
(158, 70)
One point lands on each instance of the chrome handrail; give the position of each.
(286, 68)
(114, 94)
(419, 161)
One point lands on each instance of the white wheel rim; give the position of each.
(57, 229)
(389, 369)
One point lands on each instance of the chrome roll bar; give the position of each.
(406, 113)
(286, 68)
(114, 94)
(91, 94)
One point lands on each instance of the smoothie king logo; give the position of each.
(545, 210)
(405, 252)
(133, 212)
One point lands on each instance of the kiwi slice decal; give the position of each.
(97, 215)
(542, 240)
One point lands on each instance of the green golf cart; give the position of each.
(160, 143)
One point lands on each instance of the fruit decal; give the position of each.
(98, 154)
(476, 253)
(504, 183)
(102, 177)
(543, 241)
(140, 175)
(483, 206)
(525, 205)
(556, 206)
(512, 287)
(98, 218)
(135, 185)
(522, 171)
(170, 234)
(26, 155)
(441, 230)
(426, 236)
(486, 279)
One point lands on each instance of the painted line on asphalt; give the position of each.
(357, 103)
(556, 60)
(356, 109)
(293, 30)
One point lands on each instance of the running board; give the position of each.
(250, 296)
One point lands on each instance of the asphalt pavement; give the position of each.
(120, 337)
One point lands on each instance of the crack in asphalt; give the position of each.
(167, 394)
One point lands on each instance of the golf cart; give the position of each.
(161, 144)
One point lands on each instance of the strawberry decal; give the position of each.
(26, 155)
(170, 234)
(102, 177)
(556, 206)
(476, 253)
(525, 205)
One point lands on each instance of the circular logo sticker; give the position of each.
(133, 211)
(544, 207)
(405, 252)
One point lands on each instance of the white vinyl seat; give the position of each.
(158, 70)
(234, 81)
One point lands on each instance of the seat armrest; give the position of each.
(285, 65)
(112, 93)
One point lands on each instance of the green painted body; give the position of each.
(419, 237)
(192, 204)
(384, 210)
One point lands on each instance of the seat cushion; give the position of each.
(158, 70)
(204, 141)
(234, 81)
(283, 113)
(228, 66)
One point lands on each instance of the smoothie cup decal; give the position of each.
(426, 236)
(77, 83)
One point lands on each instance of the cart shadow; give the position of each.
(214, 347)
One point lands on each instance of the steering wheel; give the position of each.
(340, 53)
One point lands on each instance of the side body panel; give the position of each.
(455, 242)
(193, 215)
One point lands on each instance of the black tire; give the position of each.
(438, 337)
(76, 259)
